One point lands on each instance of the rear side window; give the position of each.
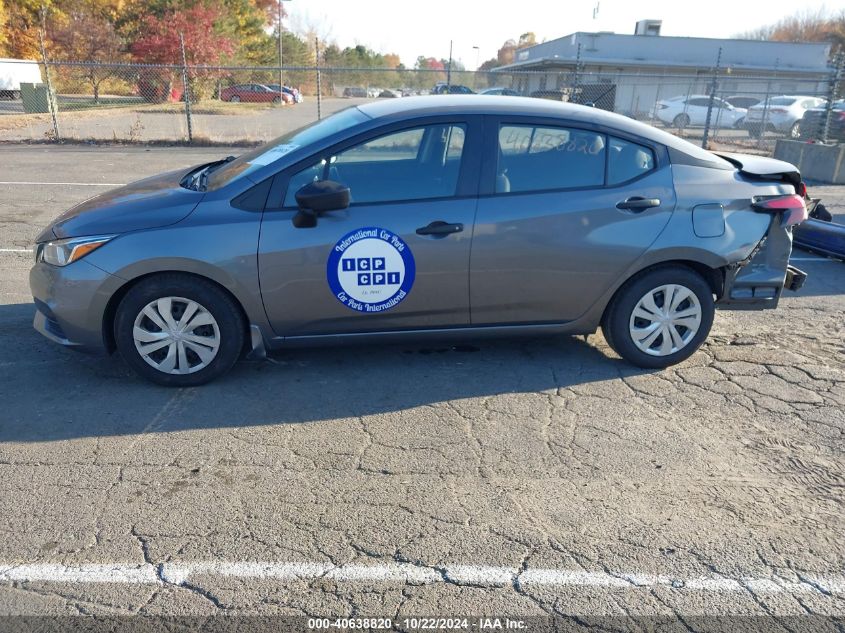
(538, 158)
(626, 161)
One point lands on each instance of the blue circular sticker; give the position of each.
(370, 270)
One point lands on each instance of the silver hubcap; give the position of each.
(665, 320)
(176, 335)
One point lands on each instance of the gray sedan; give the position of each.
(420, 218)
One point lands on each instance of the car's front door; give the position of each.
(564, 212)
(398, 257)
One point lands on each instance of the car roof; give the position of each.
(414, 107)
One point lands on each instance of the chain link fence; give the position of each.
(84, 101)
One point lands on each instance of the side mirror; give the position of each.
(319, 197)
(323, 195)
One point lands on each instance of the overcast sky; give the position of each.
(425, 28)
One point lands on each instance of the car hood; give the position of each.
(145, 204)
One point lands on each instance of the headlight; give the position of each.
(64, 252)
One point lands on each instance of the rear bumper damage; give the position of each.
(757, 282)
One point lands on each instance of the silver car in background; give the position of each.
(782, 114)
(448, 217)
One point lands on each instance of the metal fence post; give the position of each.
(713, 86)
(186, 92)
(764, 120)
(319, 79)
(832, 93)
(51, 97)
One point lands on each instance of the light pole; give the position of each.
(281, 83)
(477, 56)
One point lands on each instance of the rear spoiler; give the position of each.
(762, 168)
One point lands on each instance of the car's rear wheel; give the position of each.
(277, 100)
(681, 121)
(234, 99)
(795, 130)
(179, 330)
(660, 318)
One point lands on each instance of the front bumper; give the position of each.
(757, 283)
(70, 303)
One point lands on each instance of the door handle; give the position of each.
(638, 204)
(440, 228)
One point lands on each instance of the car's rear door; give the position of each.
(398, 257)
(564, 211)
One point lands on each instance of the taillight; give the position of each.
(792, 206)
(801, 190)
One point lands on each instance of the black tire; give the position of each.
(277, 100)
(218, 303)
(681, 121)
(617, 318)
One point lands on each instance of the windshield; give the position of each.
(275, 149)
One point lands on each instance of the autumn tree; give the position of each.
(159, 43)
(23, 19)
(819, 26)
(84, 33)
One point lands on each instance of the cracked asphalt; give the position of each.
(421, 480)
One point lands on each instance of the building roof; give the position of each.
(611, 49)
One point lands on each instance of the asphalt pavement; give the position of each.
(503, 477)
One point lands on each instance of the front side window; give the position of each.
(535, 158)
(414, 164)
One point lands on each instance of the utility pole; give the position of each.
(449, 69)
(281, 82)
(713, 86)
(477, 57)
(835, 78)
(186, 94)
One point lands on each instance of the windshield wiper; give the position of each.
(197, 180)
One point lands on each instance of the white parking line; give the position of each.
(73, 184)
(15, 250)
(478, 575)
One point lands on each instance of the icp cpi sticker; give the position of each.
(370, 270)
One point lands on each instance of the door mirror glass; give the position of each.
(319, 197)
(322, 196)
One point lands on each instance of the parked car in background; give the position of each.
(294, 93)
(819, 233)
(254, 93)
(388, 93)
(813, 121)
(552, 95)
(782, 114)
(682, 112)
(739, 101)
(451, 89)
(507, 92)
(372, 93)
(355, 92)
(13, 72)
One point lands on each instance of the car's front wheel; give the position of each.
(681, 121)
(234, 99)
(179, 330)
(660, 318)
(795, 130)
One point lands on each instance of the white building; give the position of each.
(629, 73)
